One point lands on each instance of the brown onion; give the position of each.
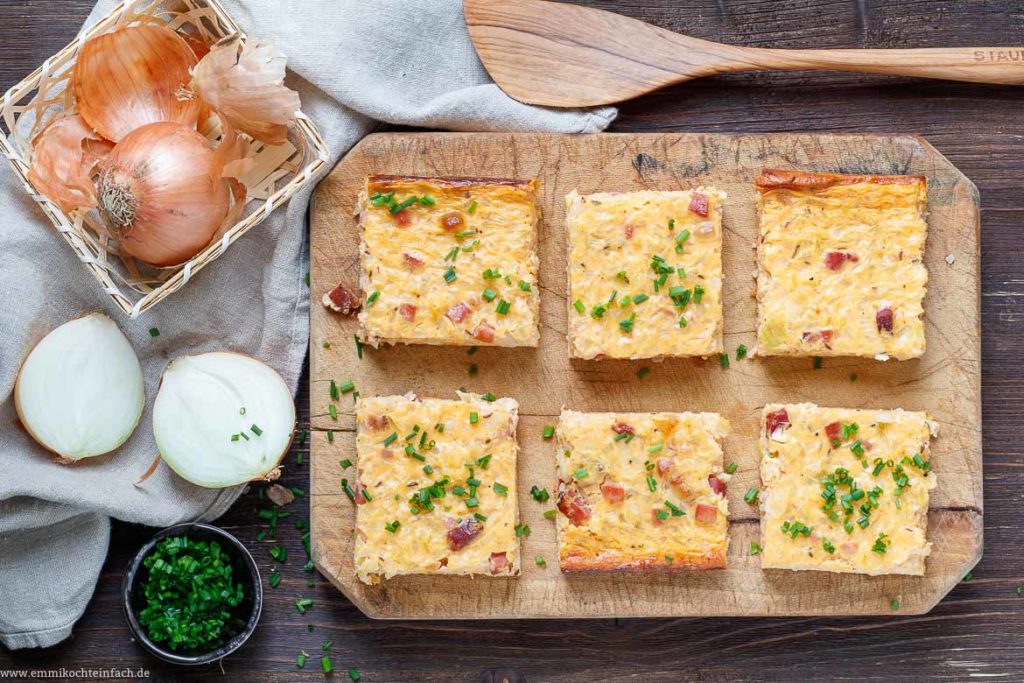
(161, 193)
(134, 76)
(244, 84)
(64, 155)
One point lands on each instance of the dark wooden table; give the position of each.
(978, 630)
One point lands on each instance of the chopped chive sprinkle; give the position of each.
(392, 526)
(370, 300)
(391, 438)
(655, 448)
(682, 321)
(627, 324)
(853, 376)
(676, 510)
(817, 362)
(327, 345)
(522, 530)
(621, 275)
(895, 604)
(741, 352)
(153, 332)
(275, 578)
(473, 369)
(549, 431)
(334, 390)
(723, 360)
(642, 372)
(346, 463)
(581, 473)
(359, 347)
(541, 562)
(472, 206)
(698, 294)
(578, 305)
(279, 553)
(755, 548)
(427, 200)
(489, 294)
(474, 417)
(330, 436)
(452, 254)
(256, 430)
(300, 660)
(502, 308)
(484, 461)
(325, 664)
(652, 484)
(478, 517)
(492, 274)
(751, 495)
(449, 275)
(524, 286)
(332, 411)
(731, 468)
(640, 298)
(550, 514)
(682, 237)
(540, 495)
(347, 387)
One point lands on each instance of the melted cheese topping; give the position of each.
(613, 239)
(882, 227)
(405, 262)
(391, 476)
(797, 459)
(624, 533)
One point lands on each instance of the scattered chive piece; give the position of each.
(627, 324)
(370, 300)
(474, 417)
(256, 430)
(731, 468)
(353, 675)
(332, 410)
(330, 436)
(741, 352)
(302, 604)
(621, 275)
(275, 578)
(405, 204)
(578, 305)
(334, 390)
(524, 286)
(392, 526)
(472, 206)
(279, 553)
(306, 279)
(427, 200)
(581, 473)
(235, 437)
(541, 562)
(640, 298)
(327, 345)
(325, 664)
(489, 294)
(968, 576)
(642, 372)
(540, 495)
(550, 514)
(682, 321)
(449, 275)
(676, 510)
(723, 360)
(755, 548)
(473, 369)
(503, 307)
(522, 530)
(484, 461)
(300, 660)
(391, 438)
(895, 604)
(853, 376)
(655, 448)
(682, 237)
(472, 502)
(817, 362)
(492, 274)
(346, 463)
(347, 387)
(652, 484)
(661, 514)
(359, 347)
(751, 495)
(153, 332)
(549, 431)
(698, 293)
(479, 517)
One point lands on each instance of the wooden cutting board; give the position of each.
(946, 382)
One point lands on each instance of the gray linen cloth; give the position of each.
(355, 64)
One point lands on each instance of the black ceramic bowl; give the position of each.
(245, 571)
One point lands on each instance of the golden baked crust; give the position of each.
(845, 490)
(641, 491)
(645, 274)
(456, 266)
(840, 265)
(441, 479)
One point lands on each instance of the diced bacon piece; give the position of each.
(705, 513)
(699, 204)
(832, 431)
(484, 333)
(834, 260)
(412, 260)
(612, 492)
(883, 319)
(360, 498)
(498, 562)
(341, 299)
(848, 548)
(402, 218)
(623, 428)
(821, 335)
(387, 453)
(407, 311)
(716, 484)
(826, 336)
(452, 221)
(458, 312)
(630, 228)
(776, 421)
(572, 504)
(376, 421)
(664, 465)
(464, 532)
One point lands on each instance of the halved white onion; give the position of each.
(80, 391)
(222, 419)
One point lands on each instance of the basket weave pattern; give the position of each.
(279, 171)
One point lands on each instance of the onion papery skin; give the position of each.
(204, 400)
(64, 155)
(244, 84)
(134, 76)
(161, 194)
(80, 391)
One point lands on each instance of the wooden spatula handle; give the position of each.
(1004, 65)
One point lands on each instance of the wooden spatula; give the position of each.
(562, 55)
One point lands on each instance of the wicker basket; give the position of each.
(279, 172)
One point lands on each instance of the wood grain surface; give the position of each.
(976, 631)
(945, 382)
